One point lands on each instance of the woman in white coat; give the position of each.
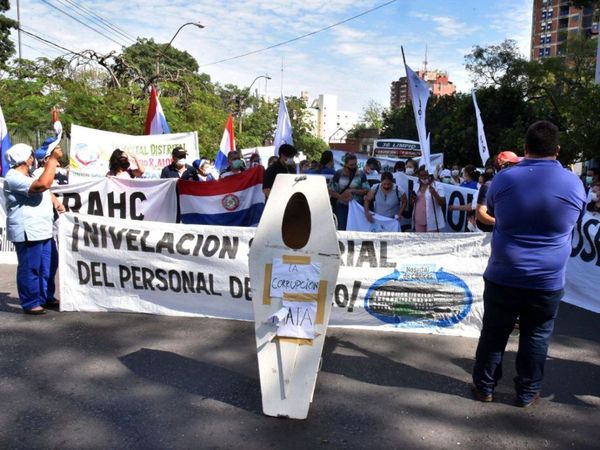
(427, 203)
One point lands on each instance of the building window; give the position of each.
(547, 51)
(541, 52)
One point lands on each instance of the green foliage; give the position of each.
(372, 115)
(7, 47)
(148, 56)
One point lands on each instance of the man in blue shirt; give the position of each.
(536, 204)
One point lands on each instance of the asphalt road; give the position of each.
(100, 380)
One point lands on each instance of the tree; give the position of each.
(372, 115)
(148, 56)
(7, 47)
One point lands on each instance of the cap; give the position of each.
(40, 154)
(507, 157)
(18, 154)
(199, 163)
(179, 153)
(446, 173)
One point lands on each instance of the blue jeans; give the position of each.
(341, 212)
(536, 311)
(37, 264)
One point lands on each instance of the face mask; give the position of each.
(181, 162)
(424, 181)
(594, 197)
(410, 171)
(455, 173)
(588, 180)
(447, 180)
(238, 164)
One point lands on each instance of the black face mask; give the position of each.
(124, 164)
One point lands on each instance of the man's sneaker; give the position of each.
(480, 395)
(526, 404)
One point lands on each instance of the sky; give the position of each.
(356, 60)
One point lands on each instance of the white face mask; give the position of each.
(594, 196)
(455, 173)
(410, 171)
(181, 162)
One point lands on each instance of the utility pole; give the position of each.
(19, 28)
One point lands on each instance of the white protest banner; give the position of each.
(583, 268)
(357, 221)
(122, 198)
(387, 164)
(91, 150)
(423, 283)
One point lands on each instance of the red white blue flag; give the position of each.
(4, 144)
(227, 145)
(156, 122)
(237, 200)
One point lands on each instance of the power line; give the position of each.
(98, 19)
(83, 23)
(47, 42)
(312, 33)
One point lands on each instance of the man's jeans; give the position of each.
(536, 311)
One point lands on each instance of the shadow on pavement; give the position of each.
(196, 377)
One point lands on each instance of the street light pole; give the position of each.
(196, 24)
(247, 93)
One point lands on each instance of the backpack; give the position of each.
(372, 205)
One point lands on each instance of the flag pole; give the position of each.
(403, 58)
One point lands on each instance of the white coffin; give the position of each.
(296, 229)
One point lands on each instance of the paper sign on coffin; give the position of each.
(294, 262)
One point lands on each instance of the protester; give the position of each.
(470, 176)
(536, 204)
(372, 171)
(400, 166)
(203, 169)
(456, 180)
(446, 176)
(347, 184)
(281, 165)
(120, 167)
(593, 199)
(41, 157)
(389, 200)
(271, 160)
(427, 203)
(410, 167)
(179, 168)
(592, 176)
(236, 164)
(304, 166)
(29, 221)
(326, 164)
(254, 160)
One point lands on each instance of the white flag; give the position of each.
(483, 148)
(419, 95)
(283, 133)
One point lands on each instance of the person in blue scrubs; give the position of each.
(29, 219)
